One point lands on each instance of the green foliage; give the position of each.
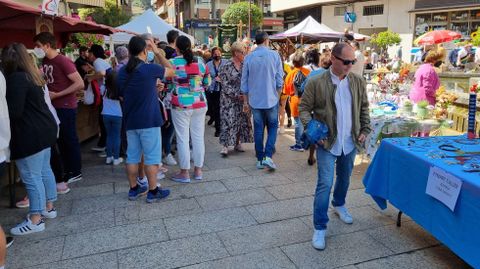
(145, 4)
(111, 15)
(422, 104)
(78, 40)
(239, 12)
(385, 39)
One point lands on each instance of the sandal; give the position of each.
(181, 179)
(224, 152)
(239, 148)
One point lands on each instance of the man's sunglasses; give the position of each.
(346, 62)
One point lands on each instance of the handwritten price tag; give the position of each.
(443, 187)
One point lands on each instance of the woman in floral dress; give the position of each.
(235, 123)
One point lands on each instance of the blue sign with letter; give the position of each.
(350, 17)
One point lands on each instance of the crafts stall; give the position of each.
(20, 23)
(392, 114)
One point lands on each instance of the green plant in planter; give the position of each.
(423, 104)
(407, 106)
(422, 110)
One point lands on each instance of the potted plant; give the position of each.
(407, 107)
(422, 110)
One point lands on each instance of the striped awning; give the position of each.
(92, 3)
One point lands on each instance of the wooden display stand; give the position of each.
(87, 121)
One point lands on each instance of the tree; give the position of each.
(239, 12)
(145, 4)
(385, 39)
(111, 15)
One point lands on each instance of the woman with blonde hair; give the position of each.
(427, 81)
(235, 124)
(30, 117)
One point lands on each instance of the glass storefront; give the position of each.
(464, 21)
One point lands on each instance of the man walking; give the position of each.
(337, 98)
(63, 81)
(262, 81)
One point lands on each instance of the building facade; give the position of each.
(409, 18)
(200, 18)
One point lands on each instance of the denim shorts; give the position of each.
(147, 141)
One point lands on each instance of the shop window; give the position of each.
(372, 10)
(340, 11)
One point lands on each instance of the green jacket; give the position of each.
(319, 98)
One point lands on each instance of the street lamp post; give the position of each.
(249, 18)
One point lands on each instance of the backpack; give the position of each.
(297, 83)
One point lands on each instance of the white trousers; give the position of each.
(190, 123)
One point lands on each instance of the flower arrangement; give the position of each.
(475, 88)
(83, 39)
(443, 101)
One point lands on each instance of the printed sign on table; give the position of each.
(443, 187)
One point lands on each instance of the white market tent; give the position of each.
(310, 29)
(148, 22)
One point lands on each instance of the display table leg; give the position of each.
(399, 219)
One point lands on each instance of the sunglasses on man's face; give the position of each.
(346, 62)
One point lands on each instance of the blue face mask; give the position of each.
(150, 56)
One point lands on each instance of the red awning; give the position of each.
(17, 24)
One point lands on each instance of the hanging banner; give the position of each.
(227, 34)
(50, 7)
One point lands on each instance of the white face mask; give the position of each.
(39, 53)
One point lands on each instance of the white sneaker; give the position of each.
(98, 149)
(281, 130)
(142, 181)
(318, 240)
(50, 214)
(109, 160)
(27, 227)
(160, 175)
(342, 212)
(170, 160)
(118, 161)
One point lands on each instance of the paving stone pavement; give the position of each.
(237, 217)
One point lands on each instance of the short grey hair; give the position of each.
(338, 48)
(237, 46)
(146, 36)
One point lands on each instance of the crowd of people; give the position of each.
(156, 95)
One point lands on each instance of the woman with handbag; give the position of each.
(235, 123)
(30, 117)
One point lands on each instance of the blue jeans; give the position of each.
(167, 134)
(262, 118)
(298, 131)
(37, 175)
(146, 141)
(113, 126)
(68, 142)
(326, 164)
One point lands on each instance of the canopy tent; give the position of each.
(310, 30)
(19, 22)
(148, 22)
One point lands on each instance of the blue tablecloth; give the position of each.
(399, 172)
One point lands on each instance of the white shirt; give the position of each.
(357, 68)
(343, 102)
(374, 58)
(4, 122)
